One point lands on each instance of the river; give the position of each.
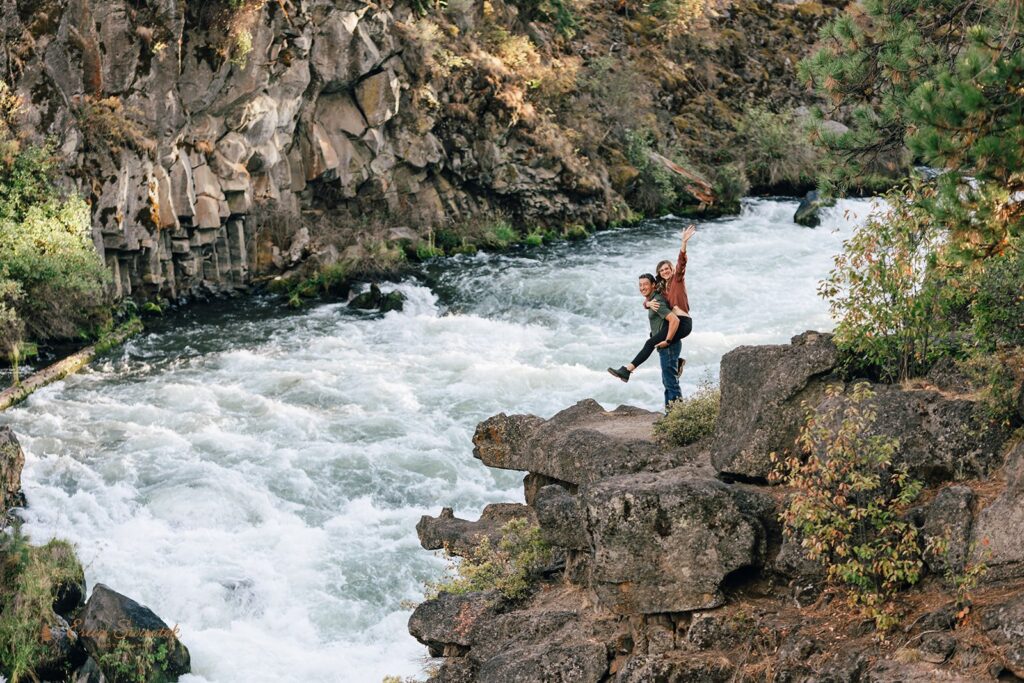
(255, 475)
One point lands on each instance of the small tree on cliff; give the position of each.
(847, 504)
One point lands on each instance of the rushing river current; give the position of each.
(256, 476)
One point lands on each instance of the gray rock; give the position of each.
(1004, 626)
(378, 97)
(61, 651)
(678, 668)
(451, 619)
(717, 630)
(111, 621)
(393, 301)
(579, 662)
(339, 115)
(331, 55)
(581, 444)
(793, 562)
(561, 518)
(997, 532)
(665, 542)
(12, 460)
(807, 213)
(936, 647)
(949, 518)
(762, 391)
(460, 536)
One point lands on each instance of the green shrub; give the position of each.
(534, 238)
(1000, 376)
(774, 149)
(500, 234)
(848, 503)
(511, 567)
(575, 232)
(29, 579)
(730, 185)
(884, 291)
(998, 306)
(691, 418)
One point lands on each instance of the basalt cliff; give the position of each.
(217, 141)
(671, 564)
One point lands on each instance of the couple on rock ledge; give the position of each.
(668, 311)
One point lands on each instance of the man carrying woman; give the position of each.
(668, 310)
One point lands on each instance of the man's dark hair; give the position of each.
(648, 277)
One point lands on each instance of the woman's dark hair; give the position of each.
(650, 278)
(661, 283)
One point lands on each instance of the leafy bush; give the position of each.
(1000, 374)
(774, 150)
(510, 568)
(29, 580)
(51, 256)
(998, 306)
(730, 186)
(883, 291)
(691, 418)
(52, 282)
(848, 502)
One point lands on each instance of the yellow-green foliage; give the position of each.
(29, 578)
(848, 502)
(510, 568)
(51, 278)
(691, 418)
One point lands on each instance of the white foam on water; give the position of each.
(257, 480)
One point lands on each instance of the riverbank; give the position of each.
(654, 561)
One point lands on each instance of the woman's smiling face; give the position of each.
(665, 271)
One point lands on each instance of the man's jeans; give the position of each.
(669, 362)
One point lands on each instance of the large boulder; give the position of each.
(12, 460)
(460, 536)
(581, 444)
(940, 437)
(665, 542)
(122, 635)
(762, 391)
(997, 532)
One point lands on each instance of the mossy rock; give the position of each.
(622, 176)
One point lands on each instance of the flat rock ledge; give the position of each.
(675, 566)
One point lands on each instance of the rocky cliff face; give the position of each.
(675, 568)
(207, 134)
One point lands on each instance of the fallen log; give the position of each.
(62, 368)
